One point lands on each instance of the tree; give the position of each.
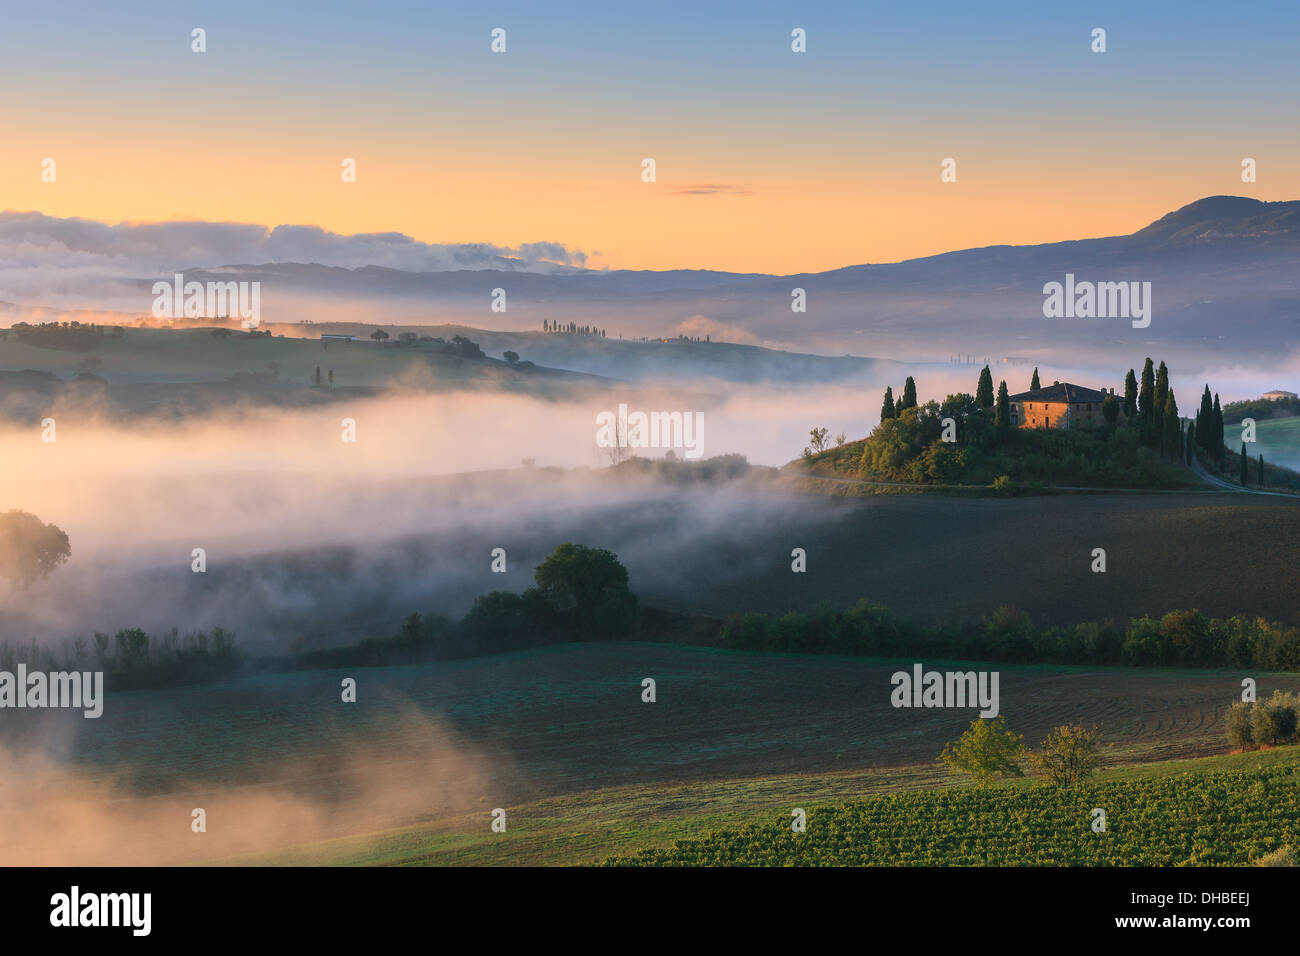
(317, 374)
(1002, 416)
(887, 409)
(1146, 401)
(1217, 448)
(1189, 443)
(379, 335)
(984, 390)
(1239, 727)
(1110, 409)
(1033, 382)
(1204, 420)
(1273, 721)
(331, 378)
(589, 587)
(511, 357)
(909, 395)
(1162, 389)
(29, 548)
(819, 442)
(1130, 397)
(986, 751)
(1069, 755)
(1259, 475)
(1245, 463)
(1171, 435)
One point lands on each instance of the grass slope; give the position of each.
(1223, 816)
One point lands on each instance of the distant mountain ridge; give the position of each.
(1224, 274)
(1214, 219)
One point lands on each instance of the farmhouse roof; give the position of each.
(1060, 392)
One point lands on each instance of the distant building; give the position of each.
(338, 338)
(1277, 395)
(1059, 405)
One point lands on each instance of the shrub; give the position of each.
(1069, 755)
(1239, 726)
(1282, 856)
(1273, 721)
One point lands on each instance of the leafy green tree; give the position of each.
(819, 441)
(29, 548)
(887, 409)
(1069, 755)
(1110, 409)
(909, 395)
(986, 751)
(1033, 382)
(1130, 397)
(588, 587)
(984, 390)
(1274, 721)
(379, 335)
(511, 357)
(1002, 417)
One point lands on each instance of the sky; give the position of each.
(766, 160)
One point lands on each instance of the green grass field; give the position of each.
(1278, 440)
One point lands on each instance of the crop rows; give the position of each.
(1212, 819)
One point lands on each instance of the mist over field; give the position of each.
(312, 541)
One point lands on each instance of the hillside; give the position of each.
(1217, 263)
(185, 372)
(1215, 818)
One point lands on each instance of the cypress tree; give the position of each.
(1162, 390)
(1171, 431)
(1033, 382)
(1190, 442)
(1146, 400)
(1259, 475)
(1244, 463)
(909, 395)
(887, 409)
(1202, 418)
(1217, 430)
(1130, 397)
(1002, 416)
(984, 390)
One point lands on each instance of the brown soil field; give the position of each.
(936, 558)
(570, 718)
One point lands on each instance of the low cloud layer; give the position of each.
(48, 260)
